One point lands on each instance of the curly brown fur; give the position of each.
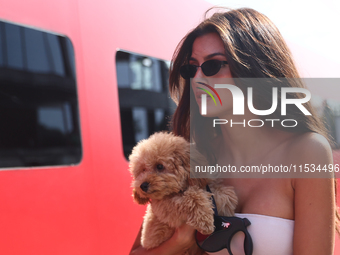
(160, 167)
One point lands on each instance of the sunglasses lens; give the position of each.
(188, 71)
(211, 67)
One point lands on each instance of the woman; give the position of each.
(288, 215)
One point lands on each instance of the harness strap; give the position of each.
(213, 201)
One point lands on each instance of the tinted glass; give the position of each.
(38, 99)
(145, 104)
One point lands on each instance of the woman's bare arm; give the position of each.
(314, 203)
(314, 230)
(182, 239)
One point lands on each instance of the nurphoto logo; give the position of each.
(239, 103)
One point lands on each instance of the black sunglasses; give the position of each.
(209, 68)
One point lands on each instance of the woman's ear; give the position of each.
(138, 199)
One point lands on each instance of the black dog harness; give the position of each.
(225, 229)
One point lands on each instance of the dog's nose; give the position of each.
(144, 186)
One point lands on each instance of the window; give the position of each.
(38, 99)
(145, 104)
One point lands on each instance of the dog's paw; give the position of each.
(225, 198)
(205, 226)
(207, 230)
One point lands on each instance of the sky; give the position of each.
(312, 24)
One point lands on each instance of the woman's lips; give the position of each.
(199, 92)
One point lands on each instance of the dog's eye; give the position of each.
(160, 167)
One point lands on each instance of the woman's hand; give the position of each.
(184, 236)
(182, 239)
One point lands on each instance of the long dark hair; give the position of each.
(254, 48)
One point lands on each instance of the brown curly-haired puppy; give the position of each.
(160, 166)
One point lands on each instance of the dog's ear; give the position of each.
(200, 182)
(138, 199)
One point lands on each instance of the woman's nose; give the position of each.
(199, 73)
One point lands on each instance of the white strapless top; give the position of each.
(270, 235)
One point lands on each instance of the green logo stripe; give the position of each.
(208, 94)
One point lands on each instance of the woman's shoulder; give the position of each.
(309, 145)
(311, 155)
(311, 138)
